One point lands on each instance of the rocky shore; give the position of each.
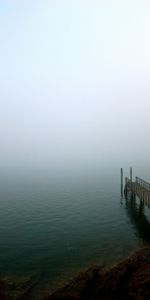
(129, 279)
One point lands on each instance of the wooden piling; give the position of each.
(121, 181)
(131, 174)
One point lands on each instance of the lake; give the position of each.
(55, 224)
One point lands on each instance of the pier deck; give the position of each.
(139, 188)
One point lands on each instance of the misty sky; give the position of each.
(74, 82)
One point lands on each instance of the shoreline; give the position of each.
(129, 278)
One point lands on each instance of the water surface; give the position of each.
(56, 224)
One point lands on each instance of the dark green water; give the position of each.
(57, 224)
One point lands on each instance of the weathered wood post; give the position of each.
(131, 182)
(122, 182)
(131, 174)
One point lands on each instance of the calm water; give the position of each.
(57, 224)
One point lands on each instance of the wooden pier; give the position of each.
(139, 188)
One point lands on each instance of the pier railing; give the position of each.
(138, 181)
(138, 187)
(142, 183)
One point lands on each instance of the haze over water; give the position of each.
(74, 108)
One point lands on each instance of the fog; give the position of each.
(74, 83)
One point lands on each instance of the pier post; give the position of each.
(131, 180)
(122, 182)
(131, 174)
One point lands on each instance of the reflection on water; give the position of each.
(139, 216)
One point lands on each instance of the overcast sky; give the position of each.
(74, 82)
